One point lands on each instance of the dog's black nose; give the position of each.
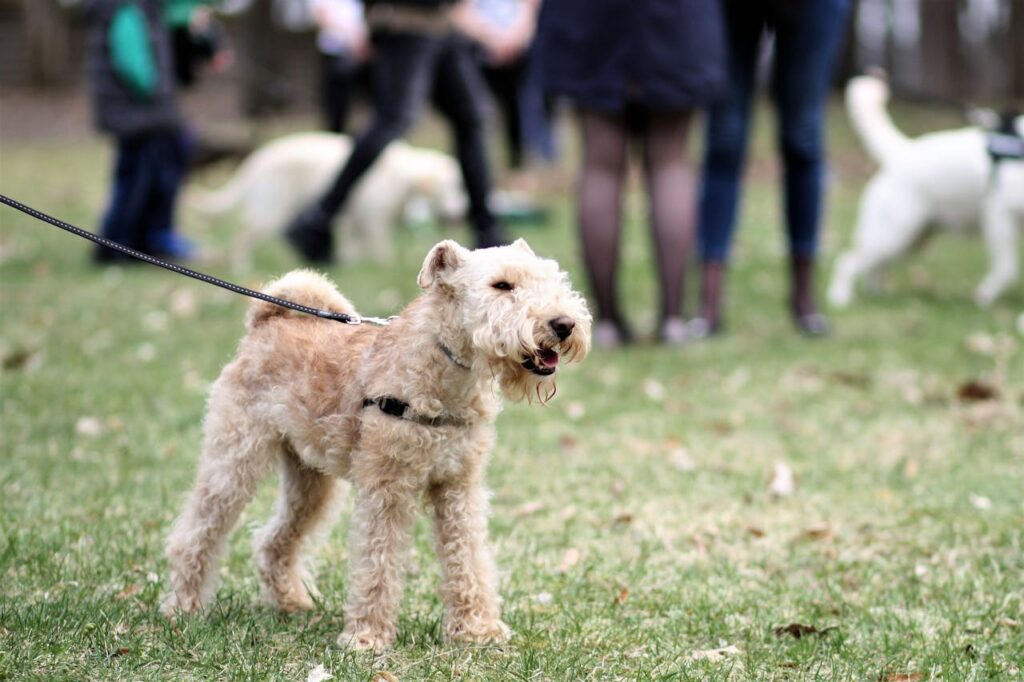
(562, 326)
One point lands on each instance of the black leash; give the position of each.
(202, 277)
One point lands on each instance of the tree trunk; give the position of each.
(941, 72)
(265, 87)
(1017, 50)
(47, 40)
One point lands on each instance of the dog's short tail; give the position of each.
(299, 286)
(866, 98)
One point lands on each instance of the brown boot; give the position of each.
(802, 304)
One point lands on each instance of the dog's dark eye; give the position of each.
(503, 286)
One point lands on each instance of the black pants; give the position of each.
(505, 84)
(147, 175)
(407, 69)
(342, 77)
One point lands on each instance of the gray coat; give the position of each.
(117, 109)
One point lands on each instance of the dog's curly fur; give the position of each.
(294, 395)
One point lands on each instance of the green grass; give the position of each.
(652, 463)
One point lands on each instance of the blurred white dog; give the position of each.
(285, 175)
(945, 180)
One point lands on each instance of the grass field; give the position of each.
(633, 519)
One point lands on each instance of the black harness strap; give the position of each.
(394, 407)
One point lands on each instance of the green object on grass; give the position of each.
(130, 51)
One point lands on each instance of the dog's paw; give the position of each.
(495, 632)
(364, 640)
(987, 293)
(172, 605)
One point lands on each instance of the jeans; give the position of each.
(148, 173)
(408, 68)
(807, 41)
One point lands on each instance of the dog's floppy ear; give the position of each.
(521, 244)
(443, 259)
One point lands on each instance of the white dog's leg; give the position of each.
(304, 504)
(468, 576)
(840, 289)
(891, 220)
(999, 228)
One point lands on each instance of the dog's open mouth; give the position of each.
(544, 364)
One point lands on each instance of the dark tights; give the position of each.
(670, 193)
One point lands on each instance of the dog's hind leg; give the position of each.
(468, 575)
(305, 502)
(236, 456)
(999, 228)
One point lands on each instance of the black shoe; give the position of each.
(310, 235)
(812, 324)
(492, 236)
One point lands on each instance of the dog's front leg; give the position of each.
(1000, 231)
(381, 528)
(468, 574)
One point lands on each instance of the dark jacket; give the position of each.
(117, 107)
(664, 55)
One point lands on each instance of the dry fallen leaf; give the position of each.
(979, 501)
(975, 390)
(543, 598)
(183, 303)
(319, 674)
(681, 459)
(17, 359)
(798, 630)
(1008, 622)
(756, 531)
(384, 676)
(88, 426)
(821, 530)
(654, 390)
(129, 591)
(715, 655)
(528, 508)
(904, 677)
(783, 483)
(623, 519)
(575, 410)
(622, 596)
(569, 559)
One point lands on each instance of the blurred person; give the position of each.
(420, 50)
(808, 35)
(509, 72)
(634, 69)
(131, 79)
(344, 49)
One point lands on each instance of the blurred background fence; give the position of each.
(957, 50)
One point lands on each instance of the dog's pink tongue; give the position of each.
(549, 358)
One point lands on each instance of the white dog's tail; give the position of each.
(866, 97)
(217, 201)
(299, 286)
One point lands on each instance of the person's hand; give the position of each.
(222, 60)
(362, 48)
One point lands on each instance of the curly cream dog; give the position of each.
(401, 411)
(942, 180)
(280, 178)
